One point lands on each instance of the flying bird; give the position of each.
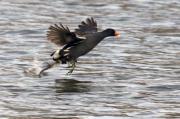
(77, 43)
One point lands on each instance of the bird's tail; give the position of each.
(61, 55)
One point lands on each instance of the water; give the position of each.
(131, 78)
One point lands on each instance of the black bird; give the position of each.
(73, 45)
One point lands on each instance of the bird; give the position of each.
(77, 43)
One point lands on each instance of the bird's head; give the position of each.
(112, 32)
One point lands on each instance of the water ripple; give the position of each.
(134, 77)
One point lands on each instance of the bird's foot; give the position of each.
(72, 68)
(69, 72)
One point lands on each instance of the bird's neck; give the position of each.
(102, 35)
(96, 38)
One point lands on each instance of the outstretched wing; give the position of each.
(60, 35)
(87, 27)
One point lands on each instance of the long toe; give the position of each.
(69, 72)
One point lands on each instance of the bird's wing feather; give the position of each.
(59, 34)
(87, 27)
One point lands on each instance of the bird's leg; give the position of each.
(73, 65)
(48, 66)
(69, 64)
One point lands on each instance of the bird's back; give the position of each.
(86, 45)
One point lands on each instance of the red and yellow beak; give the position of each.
(117, 34)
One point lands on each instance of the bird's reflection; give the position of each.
(71, 86)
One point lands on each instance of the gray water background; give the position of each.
(136, 77)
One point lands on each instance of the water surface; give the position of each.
(131, 78)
